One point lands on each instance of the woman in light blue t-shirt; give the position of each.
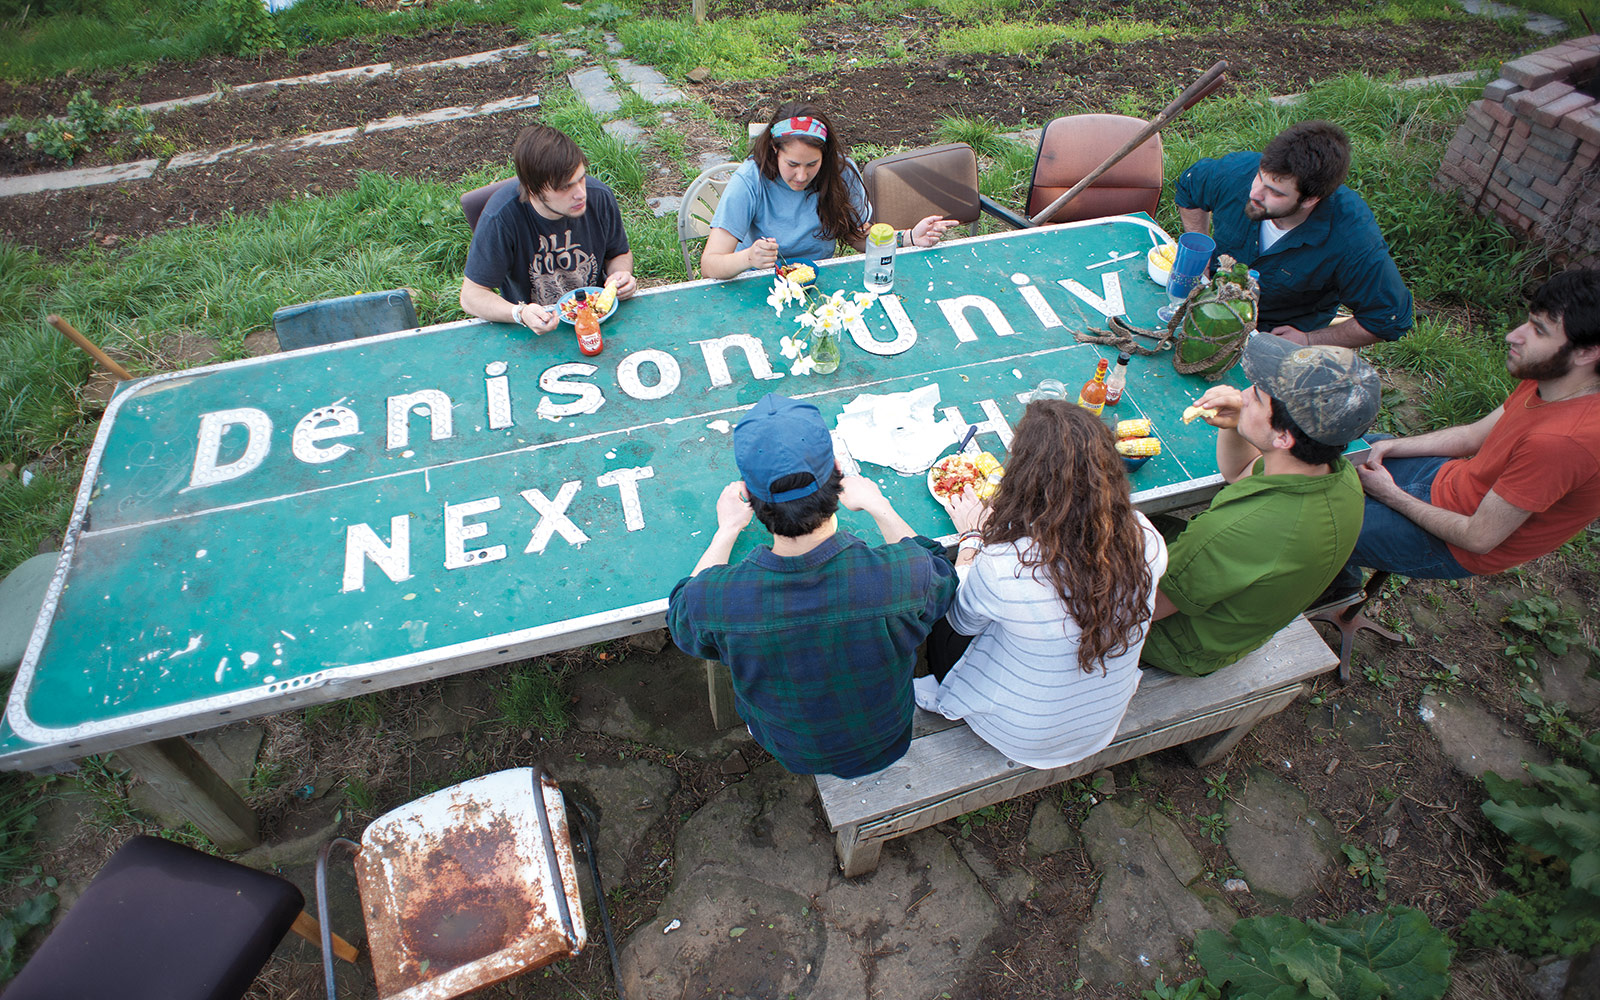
(796, 197)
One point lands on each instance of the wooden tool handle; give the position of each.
(1197, 90)
(307, 927)
(95, 352)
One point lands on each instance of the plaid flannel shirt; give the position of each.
(821, 645)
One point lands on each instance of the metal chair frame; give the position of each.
(586, 821)
(698, 206)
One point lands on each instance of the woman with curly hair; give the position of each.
(1057, 595)
(797, 196)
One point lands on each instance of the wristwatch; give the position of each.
(516, 314)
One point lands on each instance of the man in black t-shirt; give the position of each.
(557, 230)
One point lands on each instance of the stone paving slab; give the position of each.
(1475, 740)
(1151, 901)
(1277, 839)
(205, 157)
(758, 908)
(61, 180)
(625, 129)
(139, 170)
(1539, 24)
(334, 137)
(593, 86)
(648, 83)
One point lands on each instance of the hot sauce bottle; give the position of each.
(587, 326)
(1092, 396)
(1118, 380)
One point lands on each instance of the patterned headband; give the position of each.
(812, 127)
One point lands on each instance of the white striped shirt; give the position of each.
(1019, 685)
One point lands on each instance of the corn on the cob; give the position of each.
(1194, 413)
(606, 299)
(1133, 428)
(1139, 447)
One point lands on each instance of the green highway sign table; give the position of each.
(290, 530)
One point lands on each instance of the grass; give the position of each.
(746, 47)
(19, 801)
(1030, 39)
(535, 699)
(47, 38)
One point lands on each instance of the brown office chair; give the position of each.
(473, 201)
(1071, 147)
(165, 922)
(907, 187)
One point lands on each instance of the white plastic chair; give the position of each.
(698, 205)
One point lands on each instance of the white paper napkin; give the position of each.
(898, 429)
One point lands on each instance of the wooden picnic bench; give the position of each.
(949, 770)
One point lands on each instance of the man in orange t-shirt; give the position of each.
(1487, 496)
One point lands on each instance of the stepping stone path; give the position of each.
(630, 796)
(1567, 680)
(1475, 740)
(1152, 899)
(758, 908)
(1277, 839)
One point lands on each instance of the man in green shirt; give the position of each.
(1282, 528)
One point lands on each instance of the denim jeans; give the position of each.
(1391, 541)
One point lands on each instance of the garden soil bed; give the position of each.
(884, 104)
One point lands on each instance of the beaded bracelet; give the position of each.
(968, 536)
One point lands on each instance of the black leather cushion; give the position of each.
(163, 922)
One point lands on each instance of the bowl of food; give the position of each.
(952, 474)
(568, 304)
(1160, 260)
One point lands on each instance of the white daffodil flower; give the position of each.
(802, 366)
(791, 347)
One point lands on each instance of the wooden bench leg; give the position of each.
(856, 858)
(719, 688)
(173, 768)
(1207, 750)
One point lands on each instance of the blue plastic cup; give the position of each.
(1194, 254)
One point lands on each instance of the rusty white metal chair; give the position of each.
(698, 206)
(470, 885)
(162, 921)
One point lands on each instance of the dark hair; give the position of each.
(836, 211)
(1573, 297)
(1315, 153)
(1305, 448)
(545, 157)
(1066, 490)
(794, 518)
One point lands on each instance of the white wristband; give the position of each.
(516, 314)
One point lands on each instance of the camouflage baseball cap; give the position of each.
(1329, 391)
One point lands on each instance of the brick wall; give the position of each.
(1527, 151)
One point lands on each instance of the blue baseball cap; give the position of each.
(780, 437)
